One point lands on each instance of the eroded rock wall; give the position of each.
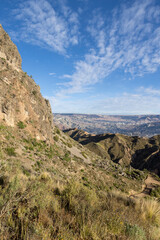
(20, 97)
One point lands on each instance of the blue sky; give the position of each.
(90, 56)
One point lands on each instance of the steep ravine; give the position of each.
(140, 153)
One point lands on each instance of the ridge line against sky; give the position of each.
(103, 57)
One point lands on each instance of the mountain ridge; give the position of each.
(140, 153)
(131, 125)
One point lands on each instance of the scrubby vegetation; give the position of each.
(41, 208)
(21, 125)
(10, 151)
(48, 193)
(155, 192)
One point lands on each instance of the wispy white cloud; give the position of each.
(128, 41)
(150, 91)
(96, 27)
(52, 74)
(137, 103)
(66, 76)
(42, 25)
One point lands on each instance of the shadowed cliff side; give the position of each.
(140, 153)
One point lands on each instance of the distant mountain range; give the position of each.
(140, 125)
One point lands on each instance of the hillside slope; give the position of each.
(140, 153)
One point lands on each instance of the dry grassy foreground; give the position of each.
(48, 193)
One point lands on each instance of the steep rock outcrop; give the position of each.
(8, 51)
(20, 97)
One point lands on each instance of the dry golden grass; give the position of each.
(155, 233)
(149, 210)
(74, 211)
(45, 176)
(118, 194)
(47, 203)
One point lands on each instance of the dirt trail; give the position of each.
(152, 154)
(147, 187)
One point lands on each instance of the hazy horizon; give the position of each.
(108, 114)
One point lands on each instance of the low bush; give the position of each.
(34, 92)
(84, 154)
(69, 145)
(155, 192)
(150, 211)
(56, 138)
(21, 125)
(67, 157)
(58, 131)
(10, 151)
(26, 172)
(134, 232)
(39, 208)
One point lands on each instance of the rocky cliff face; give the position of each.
(21, 103)
(8, 51)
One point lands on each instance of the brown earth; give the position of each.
(149, 184)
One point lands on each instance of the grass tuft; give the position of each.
(150, 211)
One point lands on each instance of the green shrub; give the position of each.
(31, 148)
(76, 197)
(34, 92)
(58, 131)
(69, 145)
(56, 138)
(21, 125)
(134, 232)
(10, 151)
(83, 154)
(26, 172)
(155, 192)
(67, 157)
(38, 164)
(1, 153)
(86, 181)
(50, 152)
(2, 127)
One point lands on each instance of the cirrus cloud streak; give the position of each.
(128, 41)
(42, 25)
